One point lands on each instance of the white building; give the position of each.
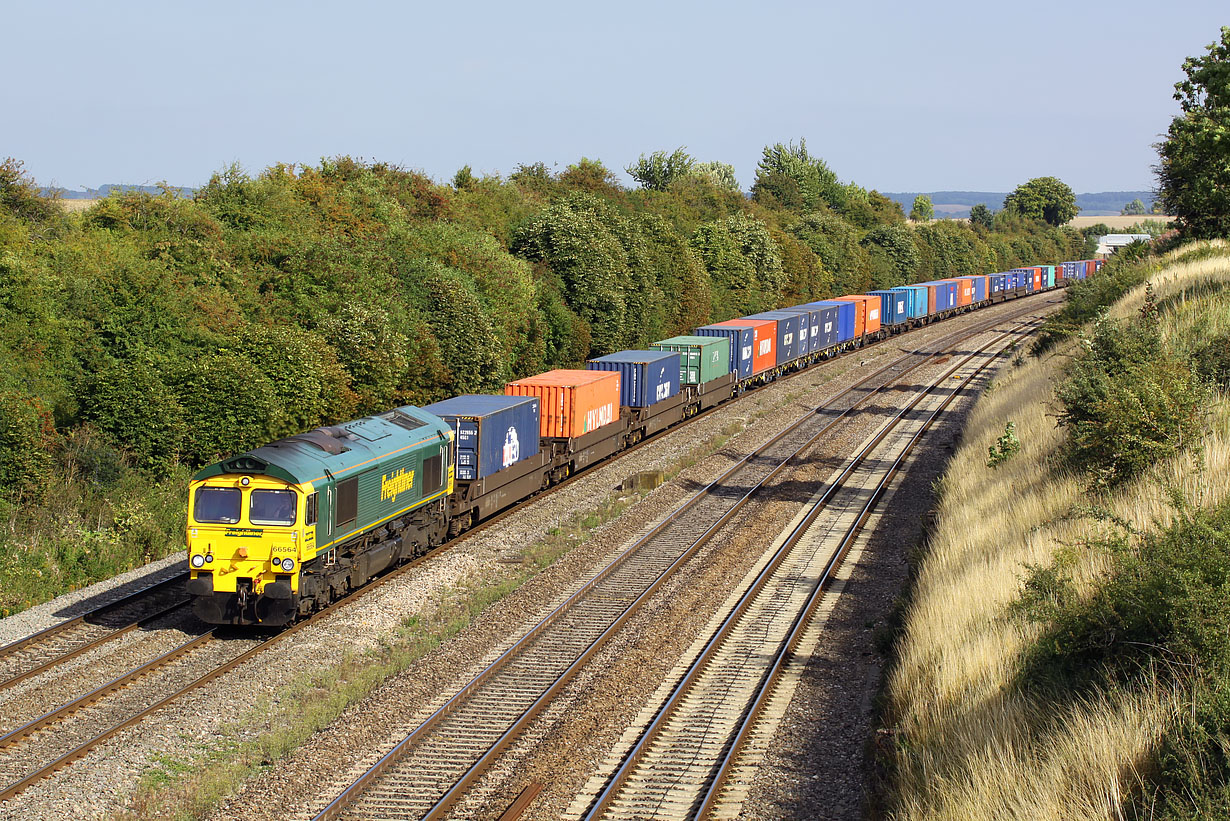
(1111, 243)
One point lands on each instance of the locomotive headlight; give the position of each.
(198, 560)
(288, 565)
(209, 557)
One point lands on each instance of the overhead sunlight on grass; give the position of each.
(970, 741)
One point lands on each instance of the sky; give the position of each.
(894, 96)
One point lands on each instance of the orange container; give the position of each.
(965, 291)
(764, 341)
(573, 403)
(1037, 279)
(866, 313)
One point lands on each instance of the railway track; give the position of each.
(59, 643)
(428, 770)
(52, 740)
(679, 764)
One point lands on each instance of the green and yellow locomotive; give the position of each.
(282, 530)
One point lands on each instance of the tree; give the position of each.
(657, 171)
(19, 194)
(923, 210)
(981, 215)
(719, 173)
(1135, 208)
(464, 178)
(797, 180)
(1194, 173)
(1043, 198)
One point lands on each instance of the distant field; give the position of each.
(75, 205)
(1115, 222)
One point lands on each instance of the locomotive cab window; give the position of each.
(347, 503)
(217, 505)
(309, 516)
(271, 507)
(433, 473)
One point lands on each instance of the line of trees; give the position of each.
(150, 334)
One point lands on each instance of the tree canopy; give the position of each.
(1043, 198)
(1194, 173)
(923, 210)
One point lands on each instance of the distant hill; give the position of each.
(104, 191)
(956, 204)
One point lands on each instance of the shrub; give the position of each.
(1004, 448)
(1128, 401)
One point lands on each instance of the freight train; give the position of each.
(283, 530)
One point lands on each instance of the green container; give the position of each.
(701, 358)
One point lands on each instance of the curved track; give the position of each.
(425, 773)
(678, 765)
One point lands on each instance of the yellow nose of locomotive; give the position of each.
(244, 538)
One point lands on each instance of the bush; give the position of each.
(1128, 401)
(1164, 598)
(1004, 448)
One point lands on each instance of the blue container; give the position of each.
(1024, 279)
(845, 317)
(493, 432)
(813, 325)
(804, 315)
(645, 377)
(999, 284)
(894, 306)
(741, 339)
(787, 334)
(945, 294)
(822, 326)
(916, 304)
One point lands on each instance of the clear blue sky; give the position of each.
(895, 96)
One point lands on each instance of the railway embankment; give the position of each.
(1065, 648)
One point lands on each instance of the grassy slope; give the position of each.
(971, 743)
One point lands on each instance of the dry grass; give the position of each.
(72, 206)
(972, 746)
(1115, 222)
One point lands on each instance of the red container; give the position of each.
(866, 313)
(965, 291)
(1091, 267)
(573, 403)
(764, 341)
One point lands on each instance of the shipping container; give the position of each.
(894, 306)
(764, 341)
(867, 318)
(915, 300)
(997, 285)
(978, 285)
(572, 403)
(814, 318)
(805, 318)
(645, 377)
(829, 323)
(945, 295)
(741, 346)
(847, 313)
(1037, 279)
(701, 358)
(787, 334)
(965, 291)
(493, 432)
(1026, 277)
